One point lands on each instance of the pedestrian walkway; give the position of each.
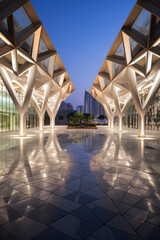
(80, 184)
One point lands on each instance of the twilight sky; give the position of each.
(82, 32)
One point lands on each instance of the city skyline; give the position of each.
(85, 45)
(92, 106)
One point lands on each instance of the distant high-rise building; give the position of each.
(92, 106)
(80, 109)
(64, 110)
(65, 106)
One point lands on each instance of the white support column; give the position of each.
(41, 111)
(41, 122)
(52, 122)
(52, 112)
(22, 124)
(28, 93)
(111, 122)
(120, 123)
(141, 125)
(29, 87)
(109, 113)
(120, 112)
(131, 78)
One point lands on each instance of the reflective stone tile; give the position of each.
(25, 228)
(120, 223)
(67, 225)
(8, 216)
(155, 220)
(134, 222)
(6, 235)
(102, 214)
(87, 184)
(85, 199)
(122, 207)
(46, 214)
(106, 203)
(114, 233)
(100, 234)
(63, 191)
(116, 194)
(137, 213)
(16, 198)
(50, 234)
(85, 214)
(28, 189)
(62, 203)
(85, 229)
(145, 230)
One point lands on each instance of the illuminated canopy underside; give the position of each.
(131, 69)
(29, 62)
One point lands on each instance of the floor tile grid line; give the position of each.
(126, 211)
(122, 215)
(105, 223)
(134, 205)
(42, 221)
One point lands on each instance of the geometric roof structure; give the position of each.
(29, 63)
(131, 69)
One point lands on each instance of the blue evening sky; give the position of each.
(82, 31)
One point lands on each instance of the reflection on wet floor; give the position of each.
(66, 184)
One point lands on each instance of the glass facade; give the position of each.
(152, 117)
(9, 118)
(31, 117)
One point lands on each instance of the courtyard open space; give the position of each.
(79, 120)
(79, 184)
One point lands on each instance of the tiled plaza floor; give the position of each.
(86, 184)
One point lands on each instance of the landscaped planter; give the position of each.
(73, 127)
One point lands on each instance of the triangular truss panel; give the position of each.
(155, 59)
(6, 60)
(24, 63)
(42, 47)
(135, 48)
(27, 45)
(157, 28)
(141, 25)
(21, 22)
(4, 26)
(120, 51)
